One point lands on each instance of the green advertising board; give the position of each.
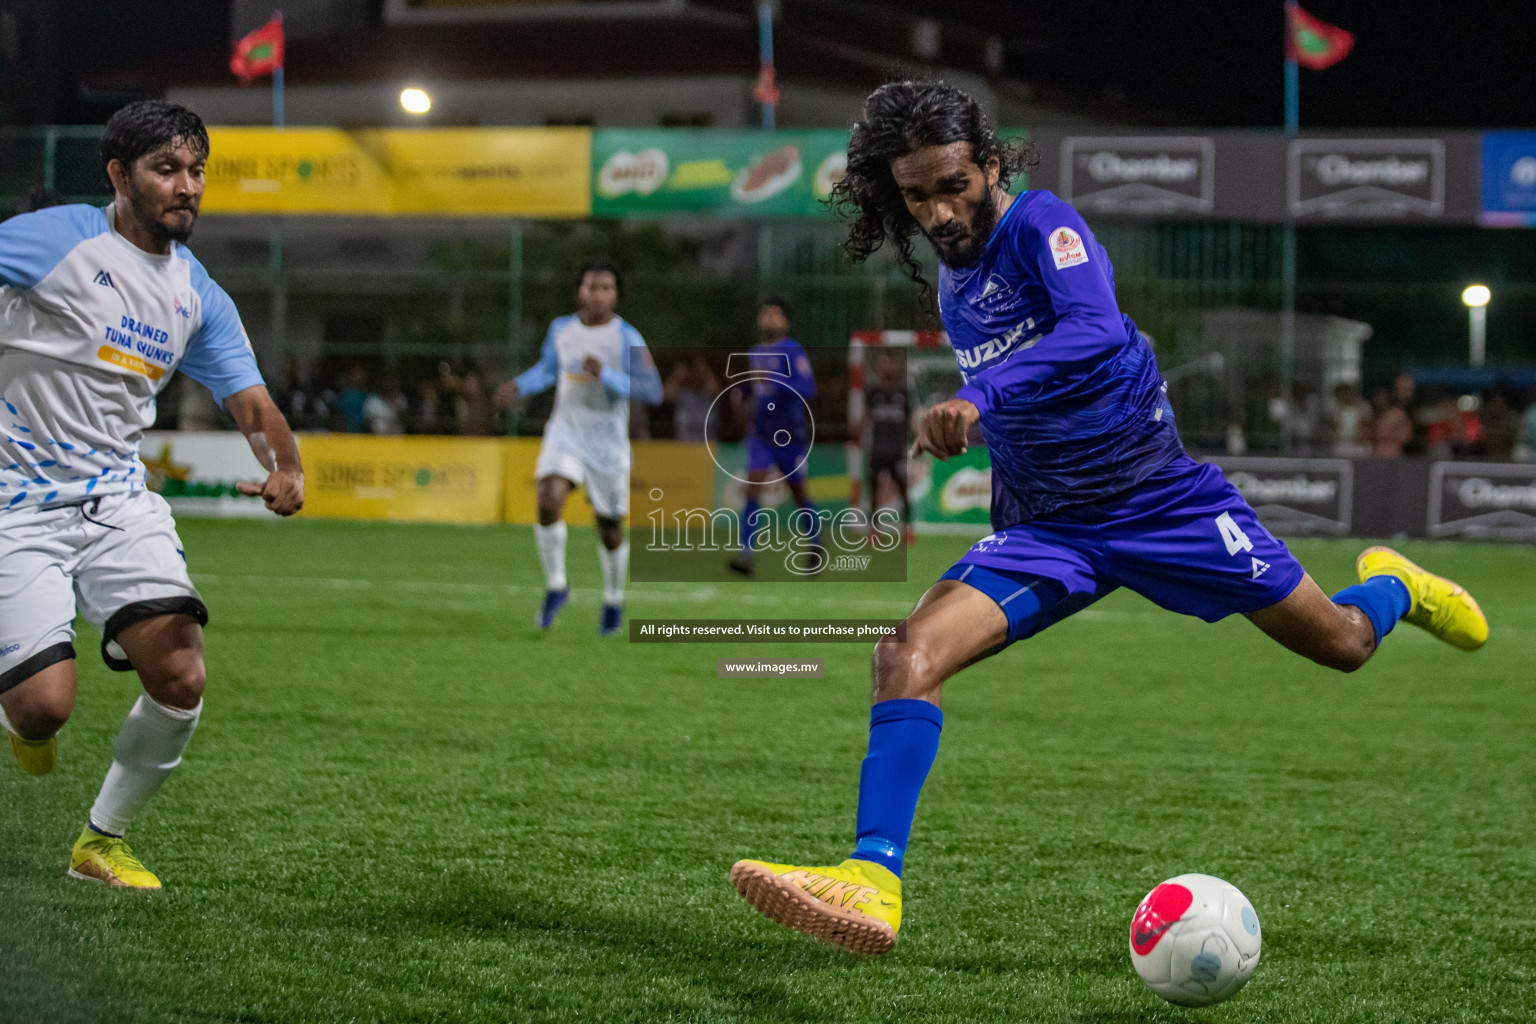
(719, 173)
(957, 491)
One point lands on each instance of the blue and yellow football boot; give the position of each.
(1440, 606)
(855, 905)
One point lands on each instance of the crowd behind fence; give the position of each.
(353, 318)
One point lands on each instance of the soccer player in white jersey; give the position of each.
(597, 362)
(98, 308)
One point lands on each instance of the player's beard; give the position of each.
(163, 233)
(961, 247)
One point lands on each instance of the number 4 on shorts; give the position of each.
(1232, 535)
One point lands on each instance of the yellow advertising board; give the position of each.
(667, 476)
(487, 171)
(416, 479)
(514, 172)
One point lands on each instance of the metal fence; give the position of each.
(399, 296)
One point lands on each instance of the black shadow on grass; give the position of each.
(746, 972)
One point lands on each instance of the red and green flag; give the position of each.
(260, 52)
(1312, 43)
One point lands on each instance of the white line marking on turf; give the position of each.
(697, 595)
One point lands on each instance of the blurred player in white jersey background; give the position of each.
(98, 309)
(597, 362)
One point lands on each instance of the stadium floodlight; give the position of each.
(415, 101)
(1476, 297)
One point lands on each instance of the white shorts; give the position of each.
(608, 491)
(116, 558)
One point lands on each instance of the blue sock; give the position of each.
(750, 526)
(903, 741)
(1383, 599)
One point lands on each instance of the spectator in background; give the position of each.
(353, 399)
(399, 405)
(691, 389)
(1501, 426)
(431, 417)
(380, 415)
(1350, 416)
(1441, 425)
(1390, 428)
(1404, 391)
(474, 414)
(1469, 427)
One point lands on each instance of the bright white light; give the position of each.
(1476, 295)
(415, 101)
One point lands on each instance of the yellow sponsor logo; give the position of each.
(129, 361)
(701, 174)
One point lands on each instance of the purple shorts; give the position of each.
(788, 459)
(1183, 538)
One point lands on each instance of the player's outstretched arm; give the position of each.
(541, 376)
(263, 425)
(942, 429)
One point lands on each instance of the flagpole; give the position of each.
(1292, 78)
(277, 83)
(765, 56)
(1288, 236)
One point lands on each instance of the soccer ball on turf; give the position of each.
(1195, 940)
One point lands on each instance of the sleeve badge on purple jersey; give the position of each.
(1067, 247)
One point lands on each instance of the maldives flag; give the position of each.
(1314, 44)
(259, 53)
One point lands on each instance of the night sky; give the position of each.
(1214, 63)
(1219, 64)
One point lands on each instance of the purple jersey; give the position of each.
(782, 387)
(1072, 406)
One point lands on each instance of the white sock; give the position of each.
(615, 569)
(551, 542)
(147, 748)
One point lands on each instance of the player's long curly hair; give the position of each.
(900, 118)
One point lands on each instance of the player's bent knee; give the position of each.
(904, 669)
(37, 717)
(38, 707)
(179, 681)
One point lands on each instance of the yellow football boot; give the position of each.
(855, 905)
(1440, 606)
(36, 757)
(108, 860)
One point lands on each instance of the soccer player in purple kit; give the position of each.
(1091, 487)
(779, 430)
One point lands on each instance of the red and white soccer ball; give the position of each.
(1195, 940)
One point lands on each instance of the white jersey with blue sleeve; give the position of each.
(591, 416)
(91, 329)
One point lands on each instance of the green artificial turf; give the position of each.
(404, 804)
